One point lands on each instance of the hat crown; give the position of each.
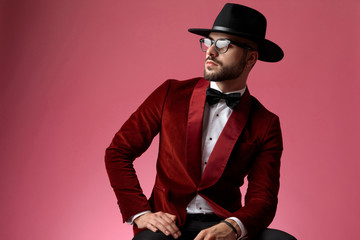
(241, 19)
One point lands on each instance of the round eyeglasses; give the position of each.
(221, 45)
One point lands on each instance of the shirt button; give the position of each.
(217, 115)
(210, 138)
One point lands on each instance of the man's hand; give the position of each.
(218, 232)
(165, 222)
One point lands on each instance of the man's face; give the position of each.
(225, 66)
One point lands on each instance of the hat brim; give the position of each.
(268, 50)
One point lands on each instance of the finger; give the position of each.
(170, 222)
(172, 227)
(169, 219)
(160, 224)
(209, 236)
(168, 229)
(167, 225)
(200, 236)
(151, 227)
(172, 217)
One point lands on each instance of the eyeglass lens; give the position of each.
(221, 45)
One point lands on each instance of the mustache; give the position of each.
(214, 60)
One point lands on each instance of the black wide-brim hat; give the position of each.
(242, 21)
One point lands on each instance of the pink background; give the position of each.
(72, 71)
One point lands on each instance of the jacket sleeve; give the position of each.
(263, 182)
(134, 137)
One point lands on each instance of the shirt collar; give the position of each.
(213, 85)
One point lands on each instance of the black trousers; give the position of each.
(197, 222)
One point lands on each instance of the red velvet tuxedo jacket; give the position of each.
(249, 145)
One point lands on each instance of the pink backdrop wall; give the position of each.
(72, 71)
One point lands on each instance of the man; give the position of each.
(213, 134)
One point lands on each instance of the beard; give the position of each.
(225, 72)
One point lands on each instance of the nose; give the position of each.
(211, 51)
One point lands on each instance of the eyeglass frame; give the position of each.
(213, 42)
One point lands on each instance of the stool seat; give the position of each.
(274, 234)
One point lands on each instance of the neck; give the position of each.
(231, 85)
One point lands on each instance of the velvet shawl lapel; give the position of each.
(194, 131)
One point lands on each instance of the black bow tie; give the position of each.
(213, 96)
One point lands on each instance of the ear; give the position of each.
(251, 58)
